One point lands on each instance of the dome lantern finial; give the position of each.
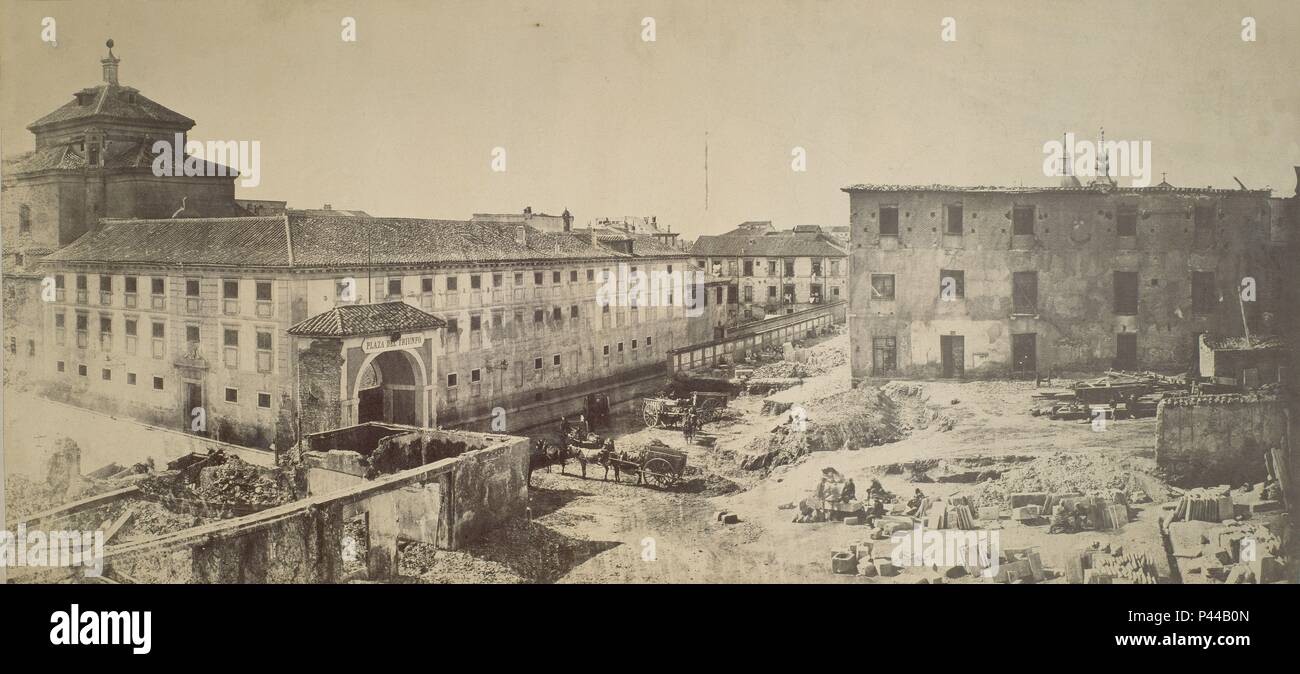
(110, 64)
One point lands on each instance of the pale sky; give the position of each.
(403, 121)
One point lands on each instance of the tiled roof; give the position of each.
(367, 319)
(775, 245)
(1162, 188)
(118, 155)
(298, 240)
(113, 101)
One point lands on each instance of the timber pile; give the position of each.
(1126, 394)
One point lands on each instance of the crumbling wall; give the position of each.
(320, 366)
(1217, 439)
(487, 487)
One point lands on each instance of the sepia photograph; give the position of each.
(669, 292)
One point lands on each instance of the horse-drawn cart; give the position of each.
(671, 412)
(657, 465)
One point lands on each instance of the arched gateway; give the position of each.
(367, 362)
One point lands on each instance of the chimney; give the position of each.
(568, 219)
(110, 65)
(528, 210)
(328, 207)
(521, 235)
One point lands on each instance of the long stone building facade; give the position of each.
(952, 281)
(279, 326)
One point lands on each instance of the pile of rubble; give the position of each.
(219, 486)
(1065, 473)
(1233, 551)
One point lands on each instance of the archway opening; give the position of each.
(390, 390)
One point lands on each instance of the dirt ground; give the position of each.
(595, 530)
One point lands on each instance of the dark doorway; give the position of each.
(1126, 351)
(370, 405)
(1024, 353)
(193, 400)
(953, 348)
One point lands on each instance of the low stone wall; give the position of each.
(1217, 439)
(446, 503)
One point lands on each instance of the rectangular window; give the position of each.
(157, 383)
(952, 284)
(131, 286)
(451, 380)
(648, 341)
(81, 370)
(105, 289)
(106, 374)
(573, 311)
(889, 221)
(882, 286)
(539, 315)
(573, 276)
(453, 283)
(395, 287)
(556, 314)
(475, 282)
(555, 360)
(1204, 296)
(555, 277)
(537, 278)
(620, 347)
(60, 366)
(749, 268)
(475, 376)
(230, 297)
(1024, 292)
(158, 289)
(771, 292)
(537, 363)
(426, 285)
(130, 379)
(230, 344)
(817, 268)
(605, 350)
(232, 395)
(264, 351)
(475, 323)
(453, 326)
(1022, 220)
(496, 280)
(789, 267)
(263, 294)
(1204, 217)
(749, 294)
(264, 400)
(192, 299)
(1126, 221)
(955, 223)
(591, 275)
(634, 345)
(519, 278)
(1126, 293)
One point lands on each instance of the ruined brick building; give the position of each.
(970, 281)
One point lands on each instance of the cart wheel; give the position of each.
(651, 415)
(658, 472)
